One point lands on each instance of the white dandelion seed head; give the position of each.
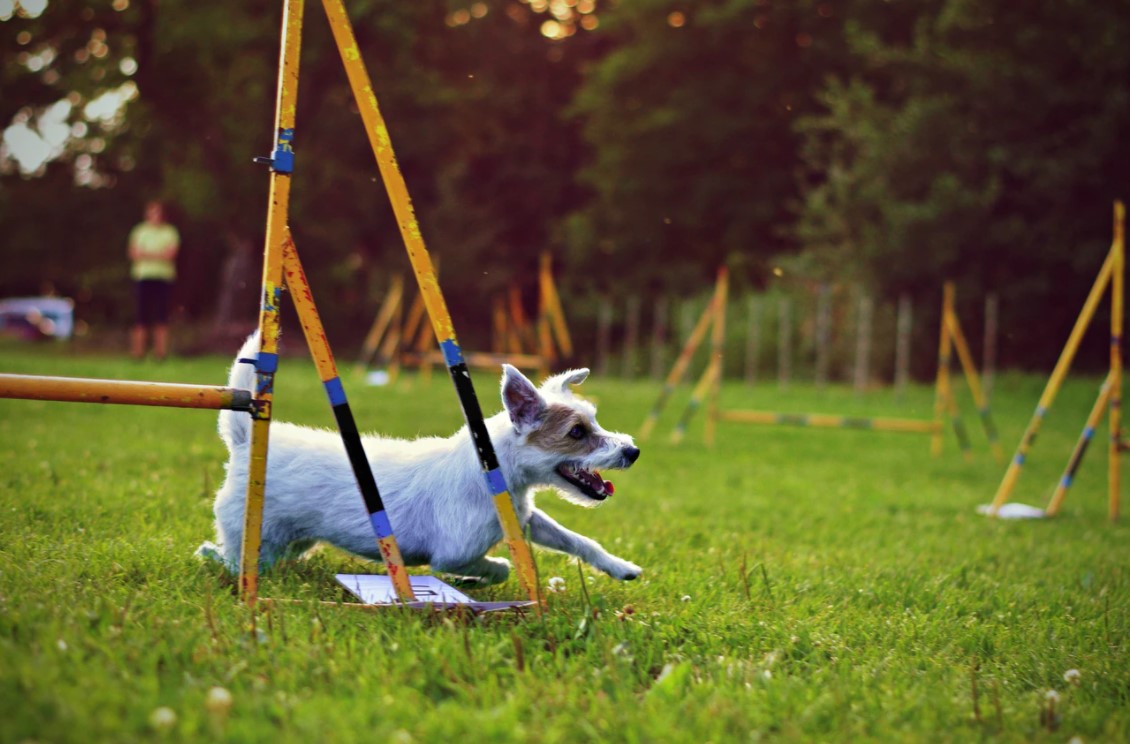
(163, 718)
(218, 699)
(61, 644)
(686, 598)
(556, 584)
(1072, 676)
(1051, 696)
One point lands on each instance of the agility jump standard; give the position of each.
(1110, 394)
(281, 268)
(709, 385)
(950, 338)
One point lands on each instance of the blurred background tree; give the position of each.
(892, 144)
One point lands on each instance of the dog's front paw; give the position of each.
(623, 570)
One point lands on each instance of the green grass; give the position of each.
(799, 585)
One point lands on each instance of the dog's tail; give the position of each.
(235, 426)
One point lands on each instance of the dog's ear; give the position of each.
(521, 398)
(565, 379)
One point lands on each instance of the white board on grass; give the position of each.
(1013, 511)
(378, 589)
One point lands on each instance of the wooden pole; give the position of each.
(863, 345)
(266, 364)
(1116, 313)
(823, 333)
(1054, 383)
(752, 338)
(603, 336)
(989, 352)
(658, 337)
(631, 338)
(784, 342)
(903, 327)
(442, 324)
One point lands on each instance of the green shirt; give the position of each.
(150, 240)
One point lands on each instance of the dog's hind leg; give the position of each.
(482, 572)
(549, 534)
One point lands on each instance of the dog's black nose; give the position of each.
(631, 454)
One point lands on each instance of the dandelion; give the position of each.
(1052, 697)
(686, 598)
(1072, 677)
(556, 584)
(163, 718)
(61, 644)
(218, 700)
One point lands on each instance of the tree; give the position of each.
(979, 142)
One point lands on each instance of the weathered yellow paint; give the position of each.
(278, 208)
(1054, 383)
(444, 329)
(128, 392)
(1118, 249)
(515, 541)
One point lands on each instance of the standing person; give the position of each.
(153, 247)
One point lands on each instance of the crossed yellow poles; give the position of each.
(280, 256)
(1110, 394)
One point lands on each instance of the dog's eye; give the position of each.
(577, 432)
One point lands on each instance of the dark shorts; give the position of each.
(153, 297)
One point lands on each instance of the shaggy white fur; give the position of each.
(433, 488)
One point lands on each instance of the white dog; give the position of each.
(433, 488)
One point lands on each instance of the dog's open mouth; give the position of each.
(587, 482)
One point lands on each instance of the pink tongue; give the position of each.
(609, 487)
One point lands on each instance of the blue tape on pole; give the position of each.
(267, 363)
(1088, 432)
(380, 523)
(282, 159)
(1066, 481)
(1041, 410)
(1019, 459)
(496, 482)
(451, 353)
(335, 391)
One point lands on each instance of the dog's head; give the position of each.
(561, 443)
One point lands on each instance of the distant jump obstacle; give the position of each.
(398, 341)
(707, 388)
(1110, 392)
(282, 269)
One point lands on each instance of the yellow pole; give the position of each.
(282, 164)
(717, 349)
(825, 421)
(941, 383)
(84, 390)
(444, 328)
(381, 323)
(553, 309)
(679, 369)
(713, 371)
(973, 379)
(1076, 458)
(1054, 383)
(1116, 311)
(323, 358)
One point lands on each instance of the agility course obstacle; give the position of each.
(1110, 393)
(709, 384)
(951, 338)
(398, 339)
(283, 270)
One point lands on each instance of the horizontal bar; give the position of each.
(910, 426)
(124, 392)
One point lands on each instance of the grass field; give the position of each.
(799, 585)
